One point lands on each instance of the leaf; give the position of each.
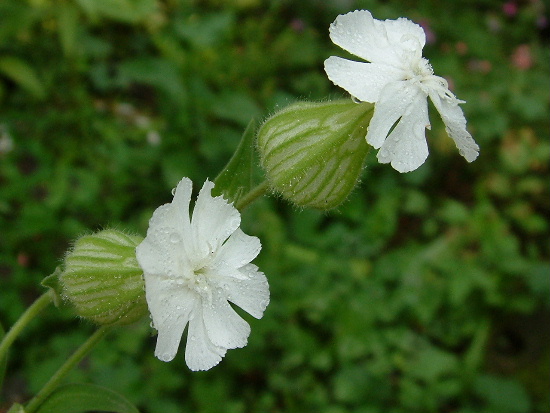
(52, 282)
(3, 361)
(153, 71)
(236, 178)
(206, 30)
(68, 22)
(127, 11)
(235, 106)
(22, 74)
(502, 394)
(77, 398)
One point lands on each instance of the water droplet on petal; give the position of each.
(174, 238)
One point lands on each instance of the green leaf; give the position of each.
(235, 106)
(236, 178)
(206, 30)
(3, 361)
(503, 394)
(22, 74)
(52, 282)
(77, 398)
(68, 22)
(127, 11)
(153, 71)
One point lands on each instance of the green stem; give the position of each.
(77, 356)
(250, 197)
(31, 312)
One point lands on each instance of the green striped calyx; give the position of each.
(313, 153)
(102, 279)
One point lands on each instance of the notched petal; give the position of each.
(455, 125)
(200, 352)
(363, 81)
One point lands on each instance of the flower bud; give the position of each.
(313, 153)
(102, 279)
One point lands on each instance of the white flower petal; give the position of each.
(188, 264)
(398, 80)
(361, 80)
(168, 226)
(147, 254)
(214, 219)
(250, 293)
(455, 125)
(404, 34)
(170, 307)
(175, 214)
(224, 326)
(375, 40)
(238, 250)
(406, 146)
(200, 353)
(394, 102)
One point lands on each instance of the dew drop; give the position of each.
(164, 357)
(175, 238)
(173, 191)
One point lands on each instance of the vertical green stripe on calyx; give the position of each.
(313, 153)
(102, 279)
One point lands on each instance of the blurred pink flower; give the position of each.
(461, 48)
(430, 35)
(297, 25)
(480, 66)
(522, 58)
(510, 8)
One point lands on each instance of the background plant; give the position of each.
(424, 292)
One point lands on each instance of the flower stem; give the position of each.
(31, 312)
(250, 197)
(76, 357)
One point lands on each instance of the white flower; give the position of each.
(193, 268)
(399, 80)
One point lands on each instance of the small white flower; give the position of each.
(399, 80)
(193, 268)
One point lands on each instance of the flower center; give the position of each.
(420, 70)
(422, 75)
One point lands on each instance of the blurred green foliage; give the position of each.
(425, 292)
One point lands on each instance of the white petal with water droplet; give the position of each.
(191, 267)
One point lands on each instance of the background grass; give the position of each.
(424, 292)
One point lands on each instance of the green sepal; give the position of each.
(102, 279)
(52, 282)
(313, 153)
(78, 398)
(235, 180)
